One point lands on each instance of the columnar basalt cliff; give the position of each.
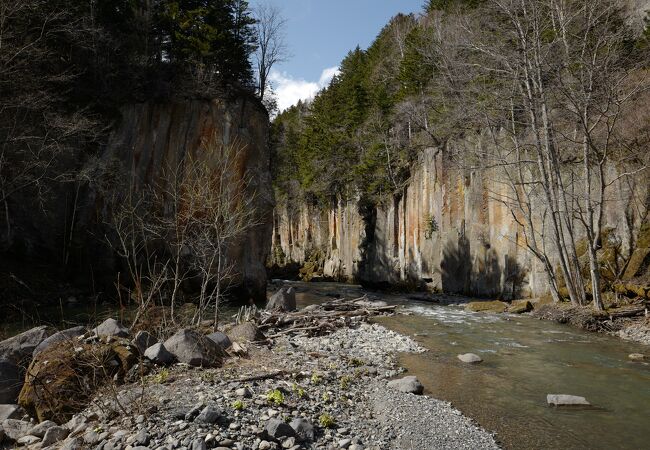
(446, 231)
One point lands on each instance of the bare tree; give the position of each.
(272, 48)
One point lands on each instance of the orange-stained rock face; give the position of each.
(446, 231)
(152, 138)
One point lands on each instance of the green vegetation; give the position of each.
(326, 421)
(238, 405)
(161, 377)
(275, 397)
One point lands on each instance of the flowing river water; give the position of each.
(524, 360)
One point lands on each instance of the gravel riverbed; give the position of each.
(327, 392)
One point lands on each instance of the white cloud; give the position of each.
(290, 90)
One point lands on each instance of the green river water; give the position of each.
(524, 360)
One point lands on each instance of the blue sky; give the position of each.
(319, 34)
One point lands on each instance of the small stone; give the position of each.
(54, 434)
(221, 339)
(111, 327)
(15, 429)
(264, 445)
(244, 392)
(234, 426)
(566, 400)
(192, 413)
(28, 440)
(303, 429)
(636, 356)
(209, 414)
(141, 438)
(198, 444)
(277, 429)
(158, 354)
(470, 358)
(72, 444)
(345, 443)
(289, 442)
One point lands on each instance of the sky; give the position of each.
(319, 33)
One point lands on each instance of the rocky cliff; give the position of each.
(149, 139)
(444, 232)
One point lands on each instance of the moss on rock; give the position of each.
(488, 306)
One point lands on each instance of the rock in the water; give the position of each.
(15, 429)
(158, 354)
(60, 336)
(245, 332)
(143, 340)
(470, 358)
(277, 429)
(54, 434)
(566, 400)
(11, 412)
(492, 307)
(520, 306)
(19, 349)
(283, 300)
(209, 414)
(636, 356)
(220, 339)
(40, 429)
(11, 381)
(111, 327)
(192, 348)
(303, 429)
(408, 384)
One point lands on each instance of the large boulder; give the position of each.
(158, 354)
(283, 300)
(20, 348)
(11, 381)
(62, 379)
(15, 429)
(245, 332)
(59, 336)
(566, 400)
(488, 307)
(192, 348)
(111, 327)
(220, 339)
(408, 384)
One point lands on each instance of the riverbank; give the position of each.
(294, 392)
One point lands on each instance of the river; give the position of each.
(524, 360)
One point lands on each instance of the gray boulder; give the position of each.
(408, 384)
(54, 435)
(74, 443)
(158, 354)
(15, 429)
(11, 381)
(566, 400)
(192, 348)
(11, 412)
(245, 332)
(277, 429)
(111, 327)
(40, 429)
(220, 339)
(470, 358)
(28, 440)
(19, 349)
(143, 340)
(209, 414)
(283, 300)
(303, 429)
(59, 336)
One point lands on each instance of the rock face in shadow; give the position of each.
(145, 142)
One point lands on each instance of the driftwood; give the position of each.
(322, 318)
(264, 376)
(627, 312)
